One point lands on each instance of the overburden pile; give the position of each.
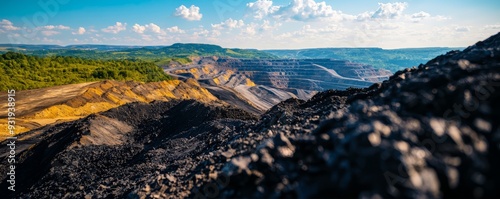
(427, 132)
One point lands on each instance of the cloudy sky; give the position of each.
(261, 24)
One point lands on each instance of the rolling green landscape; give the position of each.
(37, 66)
(160, 55)
(22, 72)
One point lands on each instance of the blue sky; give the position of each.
(261, 24)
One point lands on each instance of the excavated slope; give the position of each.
(39, 107)
(235, 87)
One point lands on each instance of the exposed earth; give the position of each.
(39, 107)
(430, 131)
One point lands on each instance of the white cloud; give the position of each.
(299, 10)
(262, 8)
(80, 31)
(148, 27)
(441, 18)
(191, 14)
(118, 27)
(175, 29)
(492, 27)
(51, 30)
(154, 28)
(364, 16)
(266, 25)
(58, 27)
(138, 28)
(234, 30)
(394, 12)
(462, 29)
(229, 23)
(390, 10)
(7, 25)
(203, 33)
(250, 29)
(420, 15)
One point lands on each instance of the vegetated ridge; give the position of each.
(23, 72)
(161, 55)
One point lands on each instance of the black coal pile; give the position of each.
(161, 143)
(430, 131)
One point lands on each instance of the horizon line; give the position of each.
(305, 48)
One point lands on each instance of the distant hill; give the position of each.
(393, 60)
(209, 50)
(25, 66)
(390, 59)
(159, 54)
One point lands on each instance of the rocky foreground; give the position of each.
(428, 132)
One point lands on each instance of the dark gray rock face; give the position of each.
(427, 132)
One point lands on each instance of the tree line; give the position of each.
(21, 72)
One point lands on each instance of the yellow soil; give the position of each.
(63, 110)
(4, 131)
(226, 76)
(216, 81)
(40, 107)
(249, 82)
(207, 69)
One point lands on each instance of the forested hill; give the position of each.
(25, 66)
(158, 54)
(21, 72)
